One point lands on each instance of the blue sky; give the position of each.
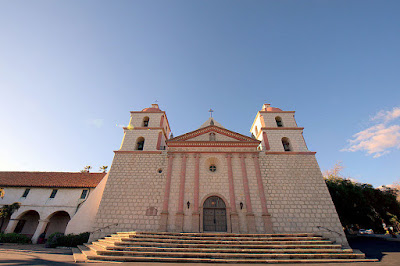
(70, 71)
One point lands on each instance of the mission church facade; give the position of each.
(211, 180)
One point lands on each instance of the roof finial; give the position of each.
(211, 111)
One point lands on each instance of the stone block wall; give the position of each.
(297, 196)
(133, 194)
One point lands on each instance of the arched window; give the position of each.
(278, 120)
(256, 131)
(146, 121)
(286, 144)
(212, 136)
(140, 144)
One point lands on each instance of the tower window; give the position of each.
(53, 193)
(256, 131)
(146, 121)
(84, 194)
(212, 136)
(286, 144)
(213, 168)
(278, 120)
(140, 144)
(26, 192)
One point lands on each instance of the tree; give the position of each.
(362, 205)
(103, 169)
(86, 169)
(7, 210)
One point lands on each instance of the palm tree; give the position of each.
(7, 210)
(104, 168)
(86, 169)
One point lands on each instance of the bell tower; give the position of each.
(278, 131)
(148, 130)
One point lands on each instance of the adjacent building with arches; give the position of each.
(48, 200)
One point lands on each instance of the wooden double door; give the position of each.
(214, 215)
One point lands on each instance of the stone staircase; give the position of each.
(218, 248)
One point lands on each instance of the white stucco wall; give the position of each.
(84, 217)
(38, 199)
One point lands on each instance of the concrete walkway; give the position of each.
(388, 252)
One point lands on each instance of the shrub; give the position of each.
(71, 240)
(14, 238)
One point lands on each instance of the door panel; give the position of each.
(214, 215)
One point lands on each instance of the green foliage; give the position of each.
(71, 240)
(7, 210)
(361, 205)
(14, 238)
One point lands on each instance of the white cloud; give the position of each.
(387, 116)
(378, 139)
(96, 122)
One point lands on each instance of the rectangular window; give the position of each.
(53, 193)
(84, 193)
(26, 192)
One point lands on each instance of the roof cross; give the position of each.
(211, 111)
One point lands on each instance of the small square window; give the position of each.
(53, 193)
(26, 192)
(84, 194)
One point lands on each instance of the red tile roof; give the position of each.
(50, 179)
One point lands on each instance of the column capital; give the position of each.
(242, 155)
(255, 156)
(184, 155)
(44, 221)
(228, 155)
(197, 155)
(171, 156)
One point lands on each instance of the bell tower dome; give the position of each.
(148, 130)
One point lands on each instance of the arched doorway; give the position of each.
(214, 215)
(57, 223)
(27, 223)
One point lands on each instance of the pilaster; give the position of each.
(180, 215)
(234, 214)
(164, 213)
(251, 224)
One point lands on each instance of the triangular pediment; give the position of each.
(220, 134)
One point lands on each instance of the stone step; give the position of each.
(222, 250)
(222, 242)
(221, 238)
(208, 260)
(216, 234)
(79, 257)
(258, 246)
(216, 255)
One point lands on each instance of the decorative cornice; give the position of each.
(142, 128)
(291, 152)
(276, 112)
(282, 128)
(147, 128)
(138, 112)
(214, 128)
(231, 152)
(211, 144)
(140, 152)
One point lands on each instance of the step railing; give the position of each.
(108, 226)
(329, 230)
